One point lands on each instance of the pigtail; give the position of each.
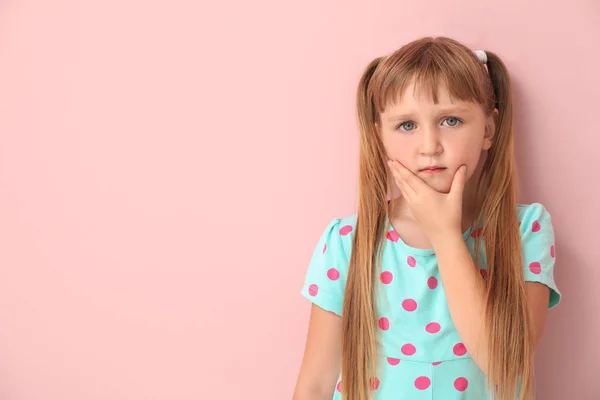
(510, 350)
(359, 321)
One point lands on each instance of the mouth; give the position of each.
(434, 169)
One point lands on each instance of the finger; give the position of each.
(413, 181)
(401, 185)
(459, 181)
(405, 189)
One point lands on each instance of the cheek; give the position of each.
(472, 159)
(465, 152)
(396, 148)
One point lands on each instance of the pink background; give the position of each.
(166, 170)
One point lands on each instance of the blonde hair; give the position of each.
(431, 62)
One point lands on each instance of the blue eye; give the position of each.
(408, 126)
(452, 122)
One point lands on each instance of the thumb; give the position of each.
(458, 183)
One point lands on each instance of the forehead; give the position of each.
(421, 92)
(415, 95)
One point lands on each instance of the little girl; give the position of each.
(439, 291)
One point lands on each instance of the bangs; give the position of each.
(432, 68)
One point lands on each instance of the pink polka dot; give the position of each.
(374, 383)
(477, 233)
(411, 261)
(384, 323)
(535, 227)
(552, 254)
(393, 236)
(436, 363)
(339, 386)
(386, 277)
(393, 361)
(483, 273)
(535, 267)
(432, 282)
(433, 327)
(408, 349)
(461, 384)
(409, 305)
(422, 382)
(313, 290)
(324, 248)
(459, 349)
(344, 230)
(333, 274)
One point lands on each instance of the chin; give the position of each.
(442, 187)
(445, 189)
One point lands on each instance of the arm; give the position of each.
(440, 216)
(465, 293)
(538, 296)
(321, 362)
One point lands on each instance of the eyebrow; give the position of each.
(448, 110)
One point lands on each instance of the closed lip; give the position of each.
(432, 168)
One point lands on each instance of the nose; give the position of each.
(430, 142)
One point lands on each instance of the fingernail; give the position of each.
(463, 168)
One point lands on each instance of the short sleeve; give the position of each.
(325, 279)
(539, 254)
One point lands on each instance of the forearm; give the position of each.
(311, 394)
(465, 293)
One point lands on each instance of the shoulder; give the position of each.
(538, 248)
(325, 279)
(534, 218)
(338, 234)
(533, 210)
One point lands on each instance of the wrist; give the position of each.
(447, 240)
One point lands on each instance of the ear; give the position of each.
(490, 130)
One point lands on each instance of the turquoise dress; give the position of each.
(423, 356)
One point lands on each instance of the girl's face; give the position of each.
(434, 140)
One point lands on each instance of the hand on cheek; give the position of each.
(437, 213)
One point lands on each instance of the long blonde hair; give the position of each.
(432, 61)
